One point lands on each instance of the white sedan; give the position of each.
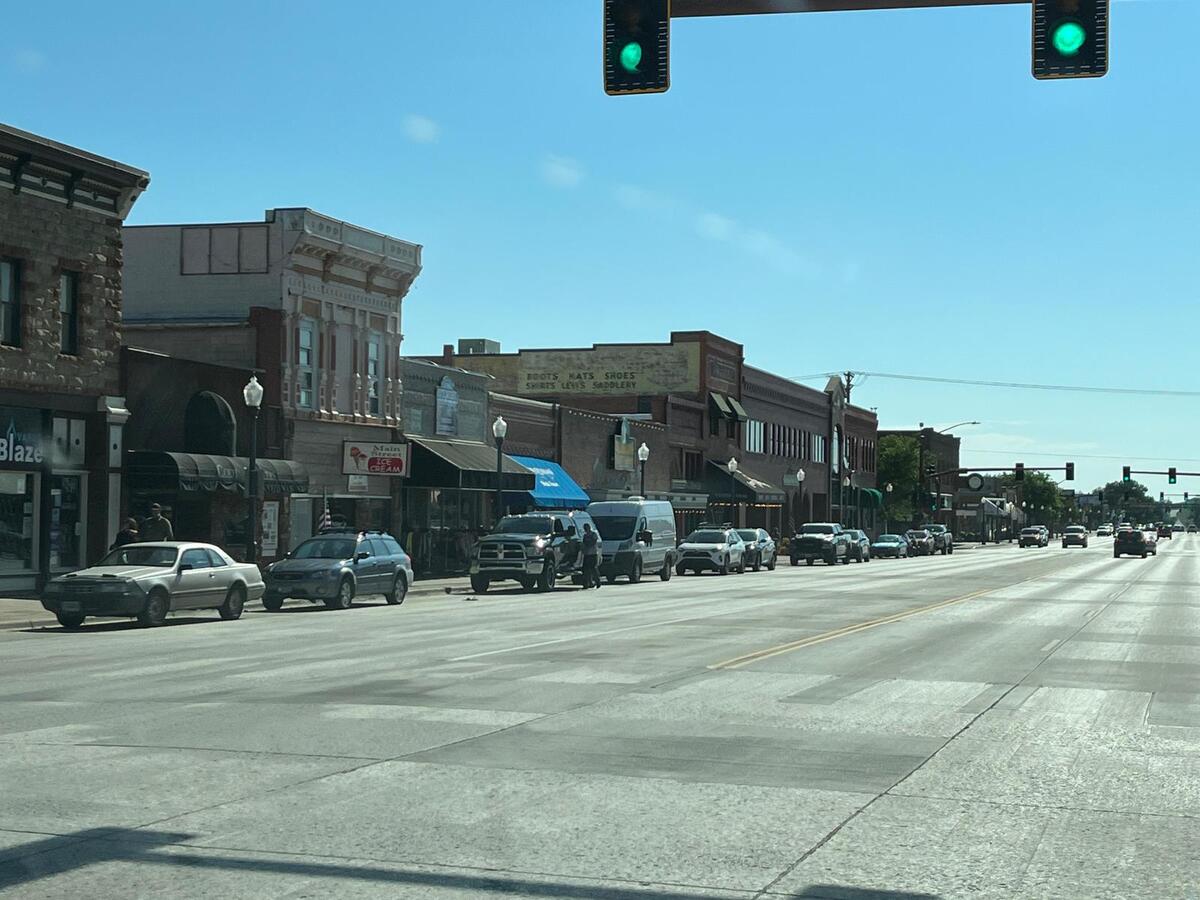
(147, 581)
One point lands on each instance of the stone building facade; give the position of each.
(61, 415)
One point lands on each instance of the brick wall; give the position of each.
(48, 238)
(233, 345)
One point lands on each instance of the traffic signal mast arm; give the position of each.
(682, 8)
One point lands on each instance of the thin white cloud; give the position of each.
(28, 60)
(421, 129)
(715, 227)
(561, 171)
(637, 198)
(754, 241)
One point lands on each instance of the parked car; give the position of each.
(1074, 536)
(147, 581)
(943, 540)
(1152, 541)
(860, 545)
(338, 565)
(1191, 529)
(1130, 541)
(1104, 531)
(1164, 531)
(1177, 528)
(920, 542)
(534, 550)
(1034, 536)
(893, 545)
(712, 548)
(826, 541)
(636, 536)
(760, 548)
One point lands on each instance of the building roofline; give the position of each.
(119, 172)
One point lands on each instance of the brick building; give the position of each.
(939, 452)
(61, 414)
(312, 302)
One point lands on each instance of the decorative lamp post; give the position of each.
(733, 467)
(845, 484)
(887, 519)
(800, 474)
(499, 430)
(252, 394)
(643, 453)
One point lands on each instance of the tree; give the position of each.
(896, 464)
(1040, 494)
(1131, 498)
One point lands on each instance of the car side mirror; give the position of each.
(361, 555)
(571, 531)
(185, 567)
(646, 537)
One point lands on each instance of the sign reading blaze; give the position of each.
(374, 459)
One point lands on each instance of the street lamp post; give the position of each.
(643, 455)
(499, 430)
(733, 467)
(800, 496)
(252, 394)
(845, 484)
(887, 519)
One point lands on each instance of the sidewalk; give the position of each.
(20, 613)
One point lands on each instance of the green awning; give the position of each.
(720, 404)
(869, 498)
(739, 411)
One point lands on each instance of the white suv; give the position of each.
(712, 547)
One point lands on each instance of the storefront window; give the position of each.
(66, 521)
(16, 521)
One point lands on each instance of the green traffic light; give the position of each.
(1068, 38)
(631, 56)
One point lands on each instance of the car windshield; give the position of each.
(748, 535)
(817, 529)
(615, 528)
(325, 548)
(524, 525)
(1076, 529)
(889, 539)
(135, 555)
(1031, 530)
(918, 534)
(706, 537)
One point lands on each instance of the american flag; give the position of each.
(326, 519)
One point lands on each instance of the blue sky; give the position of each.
(885, 191)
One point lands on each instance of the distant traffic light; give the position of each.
(1070, 471)
(1100, 497)
(1161, 497)
(1070, 38)
(1125, 473)
(1185, 496)
(1019, 472)
(637, 45)
(1171, 479)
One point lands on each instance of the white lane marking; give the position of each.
(1050, 646)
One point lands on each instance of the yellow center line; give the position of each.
(758, 655)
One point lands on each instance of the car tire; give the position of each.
(545, 582)
(1143, 554)
(235, 602)
(724, 569)
(398, 592)
(664, 574)
(810, 562)
(795, 561)
(680, 570)
(480, 584)
(70, 621)
(272, 604)
(635, 574)
(771, 564)
(158, 604)
(344, 598)
(742, 566)
(757, 565)
(527, 584)
(1116, 554)
(611, 579)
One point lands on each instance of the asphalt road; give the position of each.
(998, 723)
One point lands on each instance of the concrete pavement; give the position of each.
(1014, 723)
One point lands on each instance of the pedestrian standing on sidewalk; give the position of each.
(591, 557)
(157, 527)
(127, 535)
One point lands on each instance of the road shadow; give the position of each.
(123, 625)
(49, 857)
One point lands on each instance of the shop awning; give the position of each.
(747, 487)
(721, 405)
(173, 471)
(464, 464)
(553, 488)
(739, 411)
(870, 498)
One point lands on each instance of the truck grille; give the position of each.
(501, 551)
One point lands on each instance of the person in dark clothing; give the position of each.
(127, 535)
(157, 527)
(591, 557)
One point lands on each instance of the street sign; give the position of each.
(975, 482)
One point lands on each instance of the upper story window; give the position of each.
(753, 436)
(374, 349)
(305, 358)
(818, 449)
(10, 302)
(68, 308)
(447, 407)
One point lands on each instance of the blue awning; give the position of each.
(553, 488)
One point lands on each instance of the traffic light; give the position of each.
(1171, 479)
(1070, 471)
(637, 45)
(1100, 497)
(1019, 472)
(1185, 496)
(1125, 473)
(1161, 497)
(1070, 38)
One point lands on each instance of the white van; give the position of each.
(637, 536)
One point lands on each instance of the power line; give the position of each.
(1075, 388)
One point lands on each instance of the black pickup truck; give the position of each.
(826, 541)
(535, 550)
